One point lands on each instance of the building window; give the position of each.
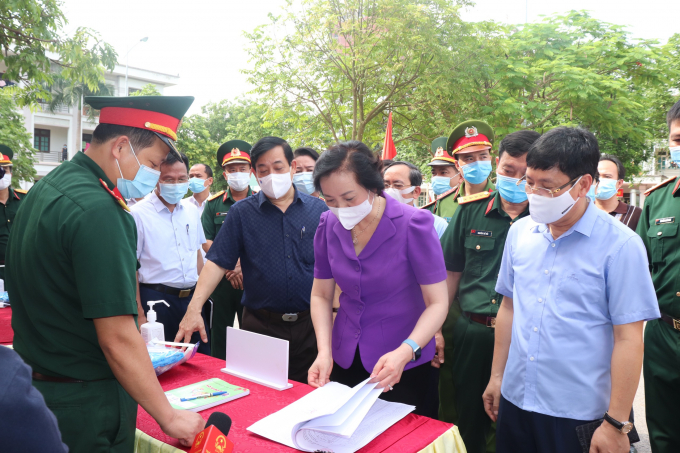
(87, 138)
(41, 140)
(133, 90)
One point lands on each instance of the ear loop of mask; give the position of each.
(134, 154)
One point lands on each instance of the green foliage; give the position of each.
(13, 133)
(147, 90)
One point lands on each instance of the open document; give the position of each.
(333, 418)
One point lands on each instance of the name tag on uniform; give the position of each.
(221, 214)
(486, 234)
(665, 220)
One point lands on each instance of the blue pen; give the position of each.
(207, 395)
(302, 232)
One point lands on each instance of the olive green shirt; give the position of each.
(446, 206)
(71, 258)
(473, 244)
(658, 228)
(215, 212)
(7, 214)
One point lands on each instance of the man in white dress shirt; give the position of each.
(200, 180)
(169, 240)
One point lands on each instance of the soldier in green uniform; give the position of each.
(473, 250)
(234, 159)
(71, 263)
(10, 199)
(658, 228)
(469, 143)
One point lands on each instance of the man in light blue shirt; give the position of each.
(568, 342)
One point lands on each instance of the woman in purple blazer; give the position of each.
(386, 258)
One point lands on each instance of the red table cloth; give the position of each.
(6, 332)
(411, 434)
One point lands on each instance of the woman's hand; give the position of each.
(387, 372)
(320, 372)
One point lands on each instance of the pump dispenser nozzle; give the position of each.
(151, 314)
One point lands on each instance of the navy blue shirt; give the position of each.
(276, 250)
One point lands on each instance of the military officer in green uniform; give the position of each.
(473, 249)
(658, 228)
(234, 159)
(10, 199)
(71, 263)
(470, 144)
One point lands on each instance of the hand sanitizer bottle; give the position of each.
(153, 329)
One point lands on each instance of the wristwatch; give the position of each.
(415, 347)
(624, 427)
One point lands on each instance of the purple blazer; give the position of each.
(381, 299)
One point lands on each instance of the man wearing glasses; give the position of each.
(473, 248)
(568, 347)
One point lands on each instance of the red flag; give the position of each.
(389, 150)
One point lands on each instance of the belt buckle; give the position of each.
(491, 322)
(184, 293)
(290, 317)
(676, 324)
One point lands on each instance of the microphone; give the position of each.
(213, 439)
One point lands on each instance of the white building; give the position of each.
(54, 131)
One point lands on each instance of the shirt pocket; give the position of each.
(579, 295)
(218, 220)
(662, 240)
(477, 252)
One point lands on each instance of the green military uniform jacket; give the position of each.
(445, 205)
(9, 211)
(71, 257)
(473, 244)
(226, 299)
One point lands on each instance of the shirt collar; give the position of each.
(261, 197)
(584, 225)
(83, 160)
(621, 208)
(230, 197)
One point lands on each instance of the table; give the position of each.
(413, 433)
(6, 332)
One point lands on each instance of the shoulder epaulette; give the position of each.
(212, 197)
(475, 197)
(442, 196)
(116, 195)
(658, 186)
(22, 191)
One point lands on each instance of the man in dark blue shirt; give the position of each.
(272, 233)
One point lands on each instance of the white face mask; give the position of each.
(276, 185)
(398, 194)
(350, 216)
(5, 181)
(238, 181)
(550, 210)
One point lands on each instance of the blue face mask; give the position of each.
(196, 185)
(477, 172)
(304, 182)
(509, 189)
(606, 189)
(675, 154)
(441, 184)
(144, 182)
(173, 193)
(591, 192)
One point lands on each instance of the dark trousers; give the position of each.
(171, 316)
(662, 386)
(300, 335)
(447, 392)
(522, 431)
(471, 361)
(226, 306)
(412, 389)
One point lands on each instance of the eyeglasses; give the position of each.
(542, 192)
(396, 185)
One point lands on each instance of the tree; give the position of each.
(343, 64)
(32, 46)
(147, 90)
(13, 133)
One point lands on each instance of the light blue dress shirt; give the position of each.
(567, 296)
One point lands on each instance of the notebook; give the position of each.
(201, 388)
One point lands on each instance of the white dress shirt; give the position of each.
(167, 242)
(192, 201)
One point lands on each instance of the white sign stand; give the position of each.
(257, 358)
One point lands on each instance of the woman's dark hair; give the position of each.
(573, 151)
(306, 151)
(352, 156)
(268, 143)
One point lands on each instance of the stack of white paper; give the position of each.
(332, 418)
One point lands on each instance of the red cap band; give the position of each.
(143, 119)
